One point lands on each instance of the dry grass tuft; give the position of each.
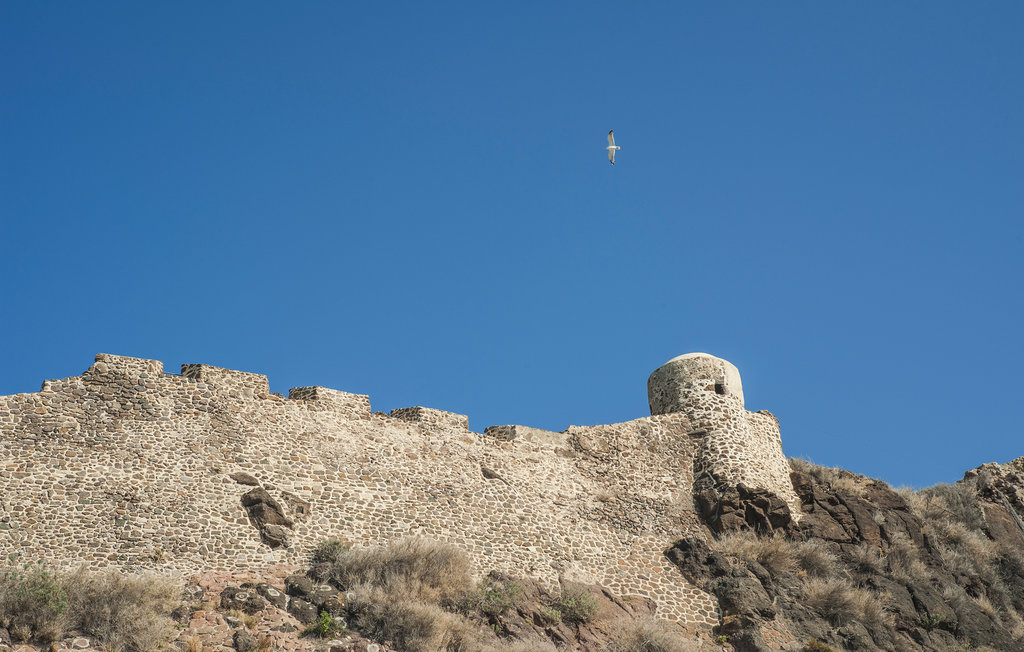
(774, 553)
(866, 559)
(839, 602)
(411, 625)
(126, 612)
(418, 569)
(815, 558)
(648, 636)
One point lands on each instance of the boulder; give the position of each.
(243, 641)
(299, 586)
(276, 536)
(303, 610)
(272, 595)
(235, 597)
(263, 509)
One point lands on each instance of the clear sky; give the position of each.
(412, 200)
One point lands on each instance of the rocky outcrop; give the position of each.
(867, 567)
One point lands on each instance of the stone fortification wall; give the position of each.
(734, 446)
(127, 466)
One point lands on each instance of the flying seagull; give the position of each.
(611, 147)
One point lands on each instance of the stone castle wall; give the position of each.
(735, 446)
(126, 466)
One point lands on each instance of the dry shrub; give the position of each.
(127, 613)
(833, 478)
(648, 635)
(903, 561)
(958, 502)
(839, 602)
(774, 553)
(410, 625)
(493, 597)
(415, 568)
(815, 558)
(866, 558)
(521, 646)
(577, 605)
(33, 603)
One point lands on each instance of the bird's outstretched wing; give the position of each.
(611, 138)
(611, 156)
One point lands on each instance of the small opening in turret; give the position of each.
(720, 389)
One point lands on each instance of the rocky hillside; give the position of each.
(864, 567)
(868, 567)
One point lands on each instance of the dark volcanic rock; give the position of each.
(263, 509)
(303, 610)
(245, 478)
(243, 641)
(299, 586)
(742, 508)
(234, 597)
(271, 595)
(276, 536)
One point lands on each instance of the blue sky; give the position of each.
(412, 201)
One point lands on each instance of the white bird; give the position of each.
(611, 147)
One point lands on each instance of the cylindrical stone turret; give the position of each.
(736, 446)
(675, 385)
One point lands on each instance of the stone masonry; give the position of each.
(129, 467)
(733, 446)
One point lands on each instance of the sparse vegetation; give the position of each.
(411, 625)
(125, 613)
(576, 605)
(839, 602)
(493, 597)
(323, 627)
(648, 635)
(814, 645)
(775, 553)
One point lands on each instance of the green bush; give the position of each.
(493, 597)
(323, 627)
(576, 605)
(33, 603)
(125, 613)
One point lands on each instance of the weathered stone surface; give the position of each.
(743, 508)
(276, 536)
(743, 595)
(304, 611)
(243, 640)
(234, 597)
(245, 478)
(264, 509)
(272, 595)
(299, 586)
